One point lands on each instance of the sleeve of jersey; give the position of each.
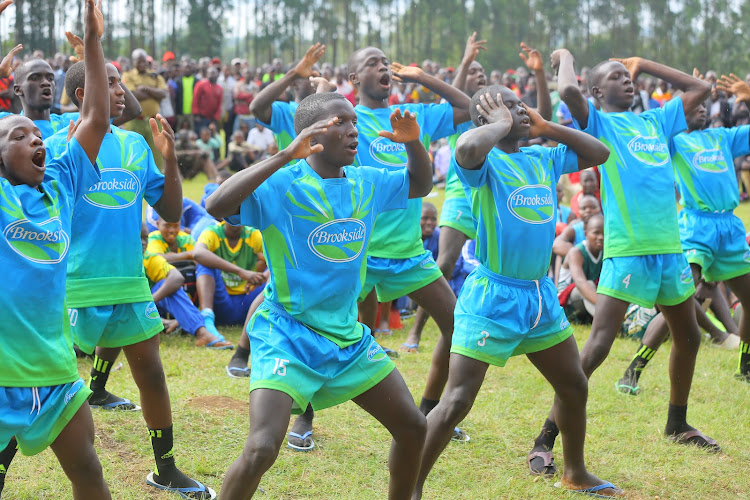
(209, 238)
(672, 116)
(392, 188)
(155, 243)
(73, 169)
(154, 177)
(471, 178)
(438, 121)
(279, 117)
(739, 140)
(564, 160)
(255, 210)
(594, 125)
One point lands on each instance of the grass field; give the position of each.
(624, 439)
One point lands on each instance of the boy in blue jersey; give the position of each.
(306, 342)
(42, 398)
(508, 306)
(278, 116)
(712, 237)
(397, 263)
(643, 259)
(111, 306)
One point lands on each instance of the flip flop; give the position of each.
(194, 492)
(548, 469)
(594, 490)
(302, 438)
(623, 388)
(409, 347)
(383, 333)
(695, 437)
(219, 345)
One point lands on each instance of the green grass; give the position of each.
(624, 439)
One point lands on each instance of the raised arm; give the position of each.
(455, 97)
(533, 60)
(228, 197)
(261, 105)
(567, 86)
(733, 84)
(169, 206)
(406, 132)
(473, 46)
(95, 108)
(473, 146)
(695, 91)
(590, 151)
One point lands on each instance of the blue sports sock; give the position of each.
(208, 319)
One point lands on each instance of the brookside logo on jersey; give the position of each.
(118, 189)
(710, 160)
(649, 150)
(532, 204)
(44, 243)
(340, 240)
(388, 152)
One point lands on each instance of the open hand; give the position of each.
(94, 18)
(5, 65)
(473, 46)
(538, 124)
(4, 5)
(405, 128)
(632, 64)
(733, 84)
(164, 140)
(532, 58)
(304, 68)
(406, 73)
(320, 84)
(697, 74)
(493, 109)
(301, 148)
(77, 44)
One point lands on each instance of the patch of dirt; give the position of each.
(219, 403)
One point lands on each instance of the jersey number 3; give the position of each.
(483, 340)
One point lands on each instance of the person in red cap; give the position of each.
(168, 56)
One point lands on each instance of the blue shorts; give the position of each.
(37, 415)
(181, 308)
(716, 242)
(394, 278)
(456, 213)
(646, 280)
(497, 317)
(289, 357)
(118, 325)
(229, 309)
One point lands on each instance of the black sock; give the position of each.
(744, 366)
(6, 457)
(99, 374)
(162, 442)
(677, 420)
(640, 360)
(241, 354)
(426, 405)
(548, 435)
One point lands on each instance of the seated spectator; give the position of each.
(169, 296)
(209, 141)
(589, 186)
(574, 233)
(193, 221)
(190, 158)
(262, 139)
(240, 153)
(579, 274)
(229, 273)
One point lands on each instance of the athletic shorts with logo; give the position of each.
(456, 213)
(646, 280)
(394, 278)
(290, 357)
(716, 242)
(497, 317)
(117, 325)
(37, 415)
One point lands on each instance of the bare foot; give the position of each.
(589, 483)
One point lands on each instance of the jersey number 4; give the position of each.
(626, 281)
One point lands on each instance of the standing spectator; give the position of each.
(244, 92)
(184, 96)
(227, 81)
(207, 98)
(149, 88)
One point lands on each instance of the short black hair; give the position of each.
(492, 90)
(312, 108)
(593, 217)
(351, 64)
(586, 196)
(75, 78)
(22, 72)
(596, 74)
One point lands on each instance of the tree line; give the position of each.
(708, 34)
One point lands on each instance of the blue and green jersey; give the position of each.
(637, 186)
(397, 235)
(453, 186)
(514, 201)
(315, 236)
(54, 125)
(704, 163)
(282, 122)
(105, 265)
(36, 348)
